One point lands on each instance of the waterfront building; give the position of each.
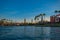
(52, 18)
(55, 18)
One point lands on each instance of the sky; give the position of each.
(19, 9)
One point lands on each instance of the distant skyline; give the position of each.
(20, 9)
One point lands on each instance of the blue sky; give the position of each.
(20, 9)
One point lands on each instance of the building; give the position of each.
(52, 18)
(58, 18)
(55, 18)
(24, 20)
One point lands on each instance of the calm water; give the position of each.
(29, 33)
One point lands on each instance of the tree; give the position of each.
(41, 16)
(56, 11)
(35, 18)
(59, 11)
(44, 15)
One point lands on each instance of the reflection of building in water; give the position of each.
(55, 18)
(39, 33)
(46, 33)
(55, 33)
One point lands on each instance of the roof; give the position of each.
(58, 15)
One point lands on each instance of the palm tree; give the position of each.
(36, 18)
(41, 15)
(56, 11)
(59, 11)
(44, 15)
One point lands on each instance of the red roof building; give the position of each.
(55, 18)
(52, 19)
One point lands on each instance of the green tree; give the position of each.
(42, 16)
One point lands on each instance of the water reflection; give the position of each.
(25, 33)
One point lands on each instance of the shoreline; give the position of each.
(37, 25)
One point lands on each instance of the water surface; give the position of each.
(29, 33)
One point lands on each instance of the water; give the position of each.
(29, 33)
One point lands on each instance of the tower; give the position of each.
(25, 20)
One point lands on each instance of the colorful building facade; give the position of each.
(55, 18)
